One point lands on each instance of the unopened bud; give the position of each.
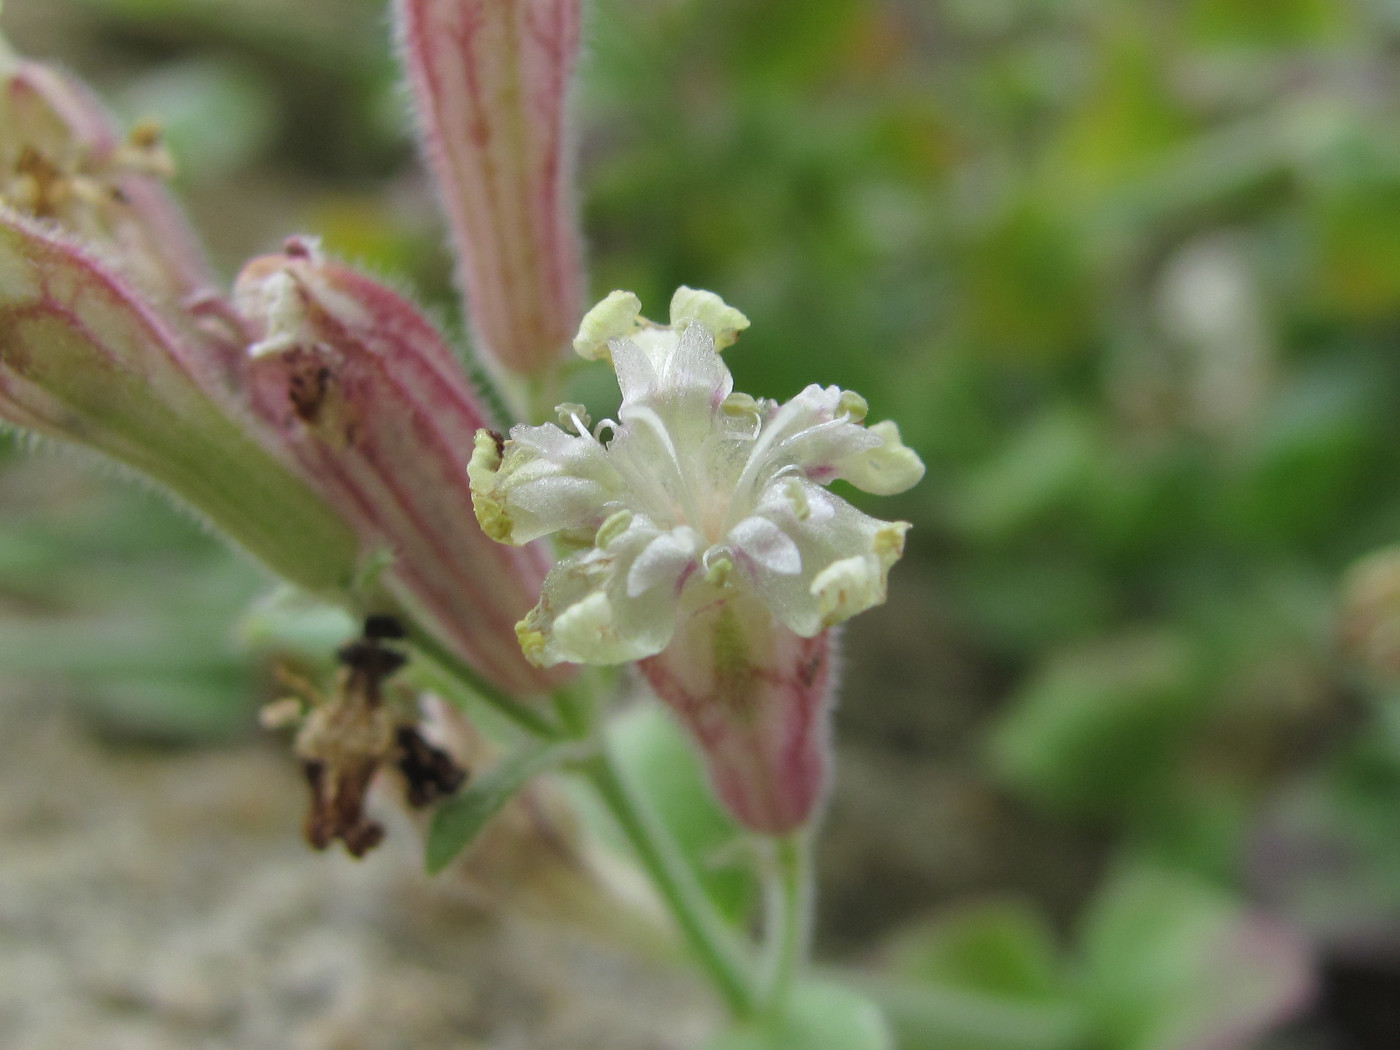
(491, 83)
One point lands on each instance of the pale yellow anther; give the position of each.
(740, 404)
(888, 544)
(571, 410)
(853, 405)
(482, 471)
(796, 496)
(718, 570)
(694, 304)
(615, 525)
(486, 457)
(532, 642)
(145, 152)
(616, 317)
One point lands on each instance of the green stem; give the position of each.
(456, 672)
(791, 898)
(710, 939)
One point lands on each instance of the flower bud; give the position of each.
(756, 698)
(491, 83)
(84, 358)
(373, 404)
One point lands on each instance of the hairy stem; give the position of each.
(791, 899)
(714, 945)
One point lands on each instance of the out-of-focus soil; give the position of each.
(163, 900)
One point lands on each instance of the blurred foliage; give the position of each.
(1126, 272)
(823, 1015)
(1163, 962)
(132, 605)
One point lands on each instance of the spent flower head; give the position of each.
(695, 492)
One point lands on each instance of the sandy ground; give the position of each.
(163, 899)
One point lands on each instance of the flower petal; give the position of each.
(886, 469)
(811, 433)
(826, 530)
(766, 545)
(679, 375)
(662, 561)
(547, 480)
(587, 614)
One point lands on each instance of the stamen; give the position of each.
(741, 407)
(615, 525)
(718, 563)
(796, 495)
(853, 406)
(571, 412)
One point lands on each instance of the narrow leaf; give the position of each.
(458, 821)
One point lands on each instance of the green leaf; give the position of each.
(459, 820)
(986, 976)
(292, 621)
(1278, 24)
(1172, 963)
(180, 709)
(1096, 731)
(1001, 947)
(822, 1015)
(929, 1016)
(1040, 468)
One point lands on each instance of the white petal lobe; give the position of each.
(661, 562)
(768, 545)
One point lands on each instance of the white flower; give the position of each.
(695, 490)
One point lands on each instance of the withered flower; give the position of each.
(364, 724)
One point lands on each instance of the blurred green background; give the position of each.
(1127, 274)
